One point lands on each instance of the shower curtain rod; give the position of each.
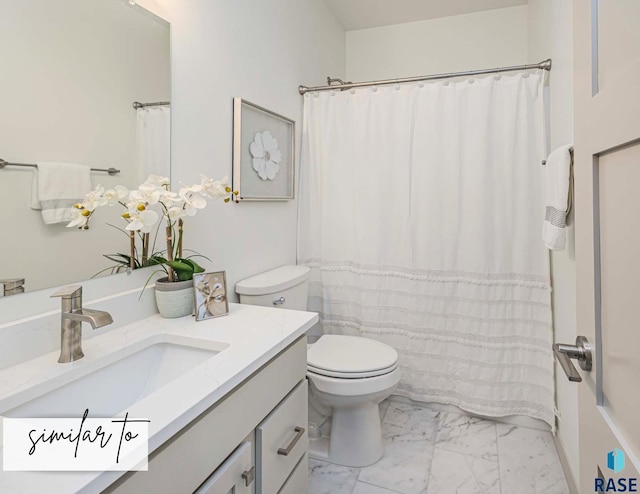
(342, 86)
(137, 104)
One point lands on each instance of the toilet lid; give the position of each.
(345, 355)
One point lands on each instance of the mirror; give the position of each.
(71, 71)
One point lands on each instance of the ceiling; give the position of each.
(363, 14)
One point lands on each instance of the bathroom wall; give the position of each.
(70, 71)
(551, 35)
(464, 42)
(260, 51)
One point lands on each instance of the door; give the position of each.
(234, 476)
(607, 195)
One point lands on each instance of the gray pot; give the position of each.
(174, 298)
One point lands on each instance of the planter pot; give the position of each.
(175, 298)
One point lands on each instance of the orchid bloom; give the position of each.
(142, 221)
(146, 193)
(193, 199)
(157, 180)
(116, 195)
(215, 188)
(80, 218)
(94, 199)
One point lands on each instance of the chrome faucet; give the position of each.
(72, 317)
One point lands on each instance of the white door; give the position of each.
(234, 476)
(607, 200)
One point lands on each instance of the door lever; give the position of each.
(581, 351)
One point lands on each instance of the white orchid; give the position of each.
(146, 193)
(157, 180)
(79, 218)
(266, 155)
(94, 199)
(215, 188)
(116, 195)
(193, 199)
(142, 221)
(145, 206)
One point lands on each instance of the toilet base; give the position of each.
(356, 437)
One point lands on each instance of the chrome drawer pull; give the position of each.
(287, 450)
(279, 301)
(249, 476)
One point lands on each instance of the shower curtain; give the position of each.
(420, 213)
(153, 146)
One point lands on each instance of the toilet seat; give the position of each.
(350, 357)
(350, 375)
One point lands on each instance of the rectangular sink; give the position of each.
(118, 385)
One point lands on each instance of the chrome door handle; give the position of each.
(287, 450)
(249, 476)
(279, 301)
(581, 351)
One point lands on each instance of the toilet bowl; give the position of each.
(348, 375)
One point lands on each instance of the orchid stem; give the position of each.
(145, 249)
(132, 246)
(169, 252)
(179, 238)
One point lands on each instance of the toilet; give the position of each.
(348, 375)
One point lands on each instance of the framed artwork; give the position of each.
(263, 153)
(210, 295)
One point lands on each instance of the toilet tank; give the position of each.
(286, 287)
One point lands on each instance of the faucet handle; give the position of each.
(71, 291)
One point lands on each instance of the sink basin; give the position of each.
(118, 385)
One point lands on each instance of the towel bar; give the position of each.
(110, 171)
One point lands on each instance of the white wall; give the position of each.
(260, 51)
(70, 71)
(551, 36)
(463, 42)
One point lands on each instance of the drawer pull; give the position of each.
(287, 450)
(249, 476)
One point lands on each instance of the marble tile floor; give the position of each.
(434, 452)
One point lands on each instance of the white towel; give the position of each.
(56, 187)
(557, 192)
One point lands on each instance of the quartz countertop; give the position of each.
(247, 338)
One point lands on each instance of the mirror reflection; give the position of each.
(71, 72)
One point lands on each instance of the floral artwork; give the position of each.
(266, 155)
(263, 153)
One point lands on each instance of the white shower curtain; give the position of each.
(420, 211)
(153, 146)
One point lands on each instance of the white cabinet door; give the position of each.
(234, 476)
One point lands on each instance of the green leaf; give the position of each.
(182, 269)
(196, 267)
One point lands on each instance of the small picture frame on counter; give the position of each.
(210, 291)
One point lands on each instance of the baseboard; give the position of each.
(568, 474)
(519, 420)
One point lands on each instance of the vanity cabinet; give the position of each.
(253, 441)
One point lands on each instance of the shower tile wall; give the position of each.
(435, 452)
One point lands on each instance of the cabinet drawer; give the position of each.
(233, 475)
(298, 481)
(281, 440)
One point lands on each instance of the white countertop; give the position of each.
(248, 338)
